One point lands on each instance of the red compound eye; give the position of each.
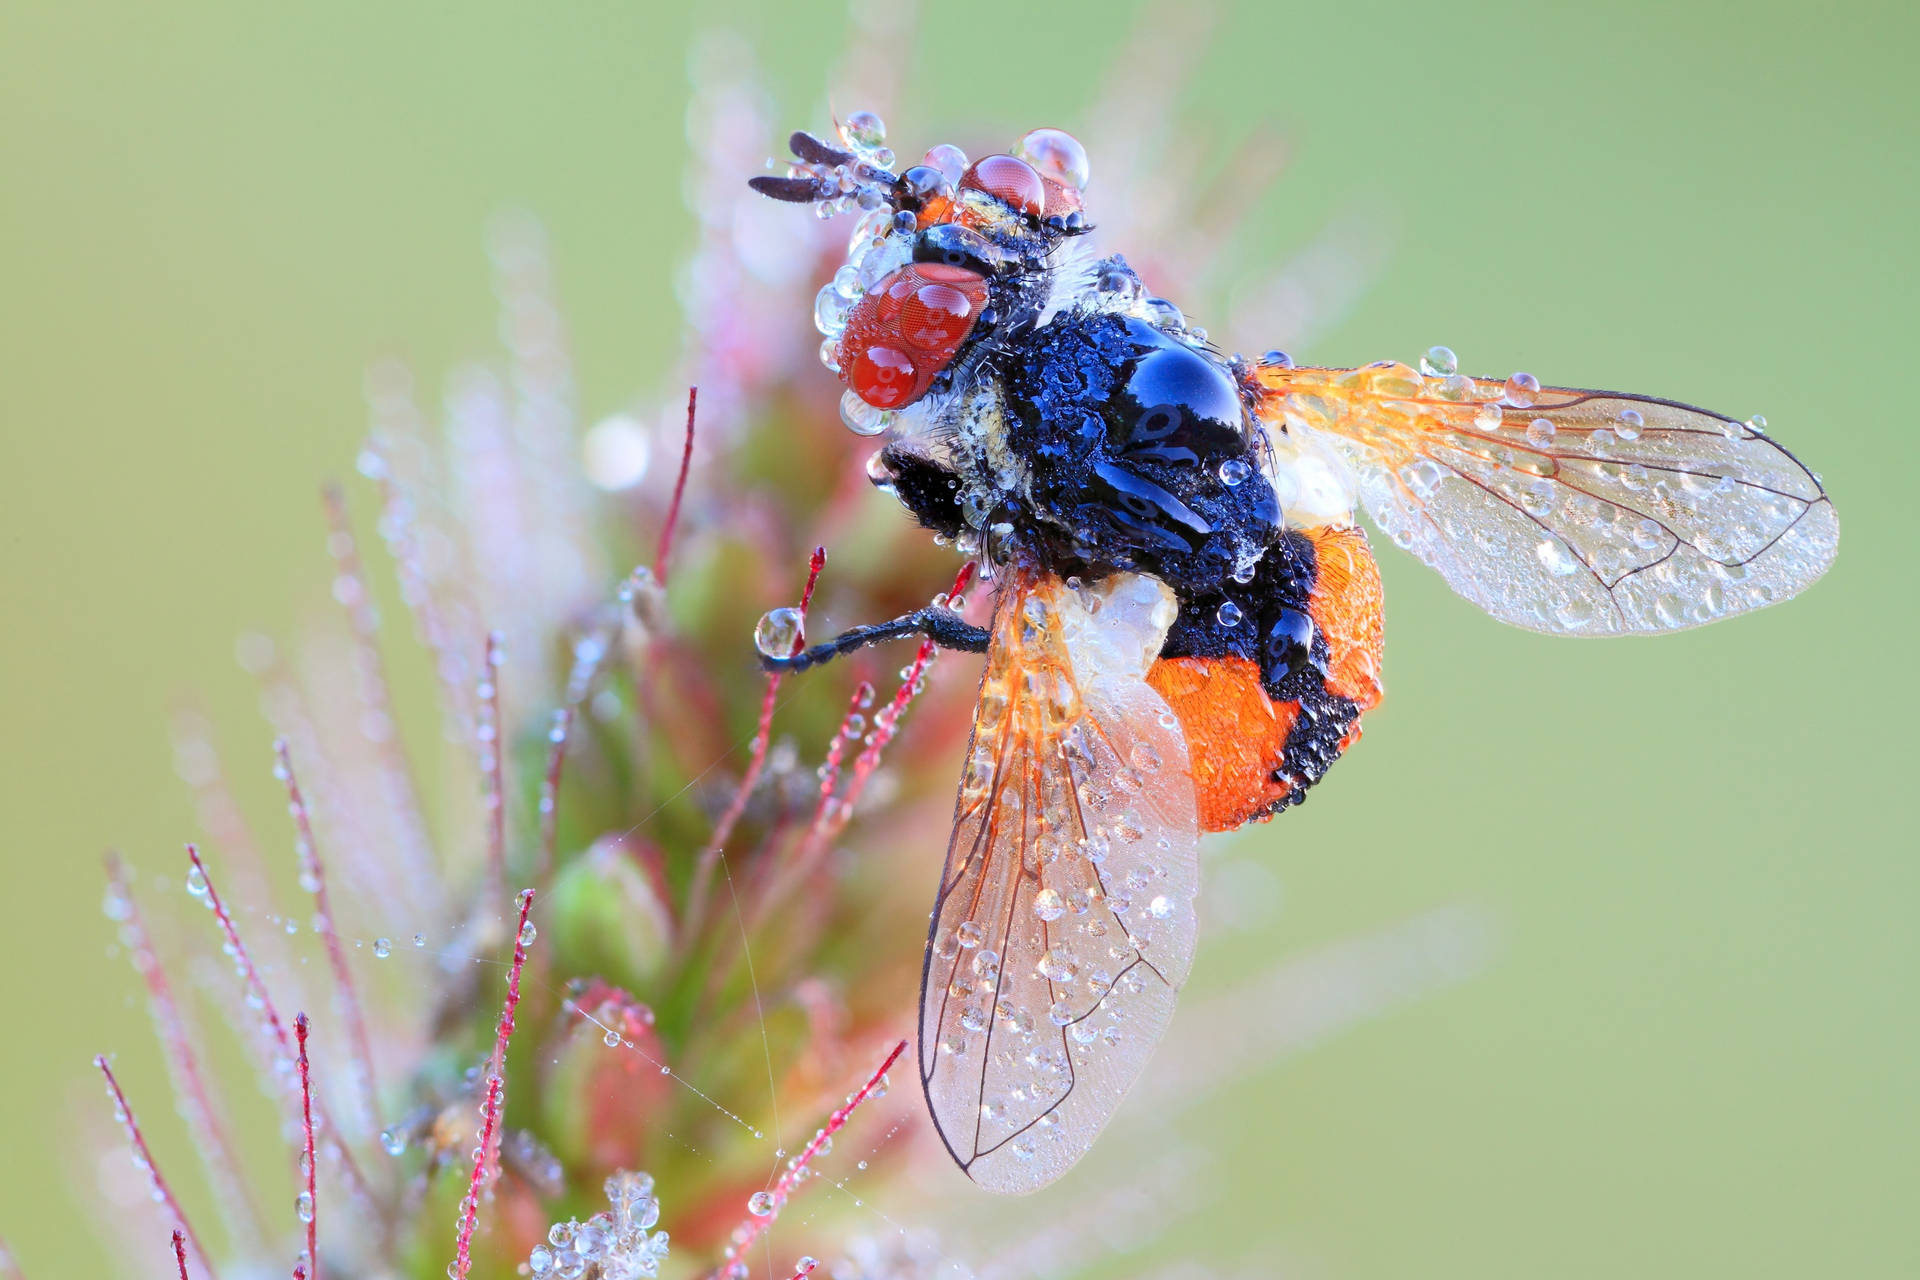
(1011, 179)
(906, 330)
(882, 376)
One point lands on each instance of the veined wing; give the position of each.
(1584, 512)
(1064, 927)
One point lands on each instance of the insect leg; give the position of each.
(942, 626)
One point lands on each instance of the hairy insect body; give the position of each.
(1108, 445)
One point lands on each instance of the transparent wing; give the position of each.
(1586, 512)
(1064, 927)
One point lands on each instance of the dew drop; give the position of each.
(393, 1142)
(1228, 614)
(1553, 554)
(196, 882)
(419, 939)
(1540, 433)
(1522, 389)
(528, 933)
(760, 1204)
(303, 1207)
(863, 131)
(1234, 471)
(1439, 362)
(1630, 424)
(777, 634)
(1048, 905)
(382, 947)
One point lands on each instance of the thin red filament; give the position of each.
(124, 1113)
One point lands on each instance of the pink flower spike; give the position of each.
(313, 878)
(491, 767)
(143, 1159)
(200, 885)
(679, 490)
(195, 1101)
(401, 789)
(765, 1206)
(709, 856)
(484, 1154)
(309, 1203)
(180, 1253)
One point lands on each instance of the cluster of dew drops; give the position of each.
(618, 1243)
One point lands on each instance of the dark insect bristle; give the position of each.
(812, 150)
(792, 190)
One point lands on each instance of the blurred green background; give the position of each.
(1697, 1052)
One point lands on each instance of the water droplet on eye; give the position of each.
(863, 131)
(528, 933)
(830, 309)
(1276, 360)
(196, 882)
(1540, 433)
(382, 948)
(862, 418)
(761, 1204)
(393, 1142)
(1228, 614)
(1439, 362)
(303, 1207)
(1630, 424)
(777, 634)
(1048, 905)
(1522, 389)
(1234, 471)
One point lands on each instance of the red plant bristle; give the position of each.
(755, 1226)
(886, 722)
(484, 1155)
(806, 1268)
(709, 856)
(193, 1099)
(314, 872)
(312, 1215)
(679, 490)
(492, 768)
(180, 1253)
(557, 738)
(277, 1029)
(123, 1112)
